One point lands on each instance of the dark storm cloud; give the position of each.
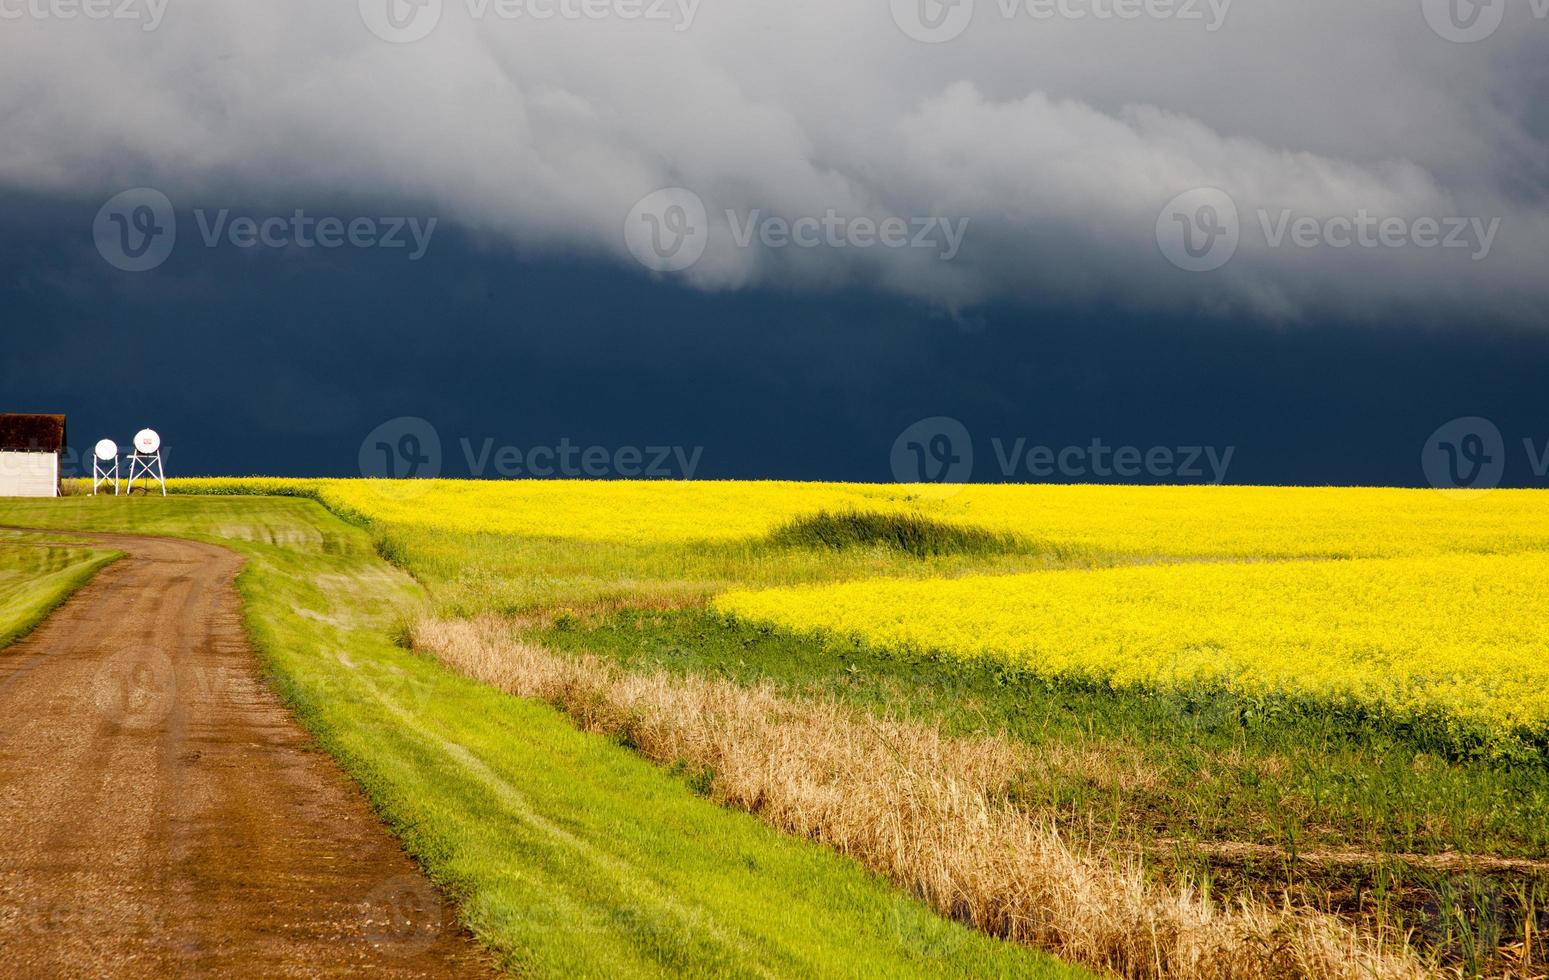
(282, 362)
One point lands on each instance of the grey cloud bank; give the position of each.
(1058, 140)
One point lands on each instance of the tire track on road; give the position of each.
(162, 814)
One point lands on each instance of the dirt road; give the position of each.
(162, 815)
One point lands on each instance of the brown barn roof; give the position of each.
(32, 433)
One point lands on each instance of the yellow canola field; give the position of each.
(1440, 615)
(1459, 638)
(1182, 522)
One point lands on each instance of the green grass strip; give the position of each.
(36, 577)
(909, 533)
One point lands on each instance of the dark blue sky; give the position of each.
(275, 362)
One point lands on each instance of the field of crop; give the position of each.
(1219, 715)
(1414, 608)
(1454, 646)
(1180, 522)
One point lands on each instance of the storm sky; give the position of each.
(1312, 232)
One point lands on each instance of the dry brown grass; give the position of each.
(924, 809)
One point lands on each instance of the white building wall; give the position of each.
(29, 474)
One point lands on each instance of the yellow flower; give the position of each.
(1457, 637)
(1154, 522)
